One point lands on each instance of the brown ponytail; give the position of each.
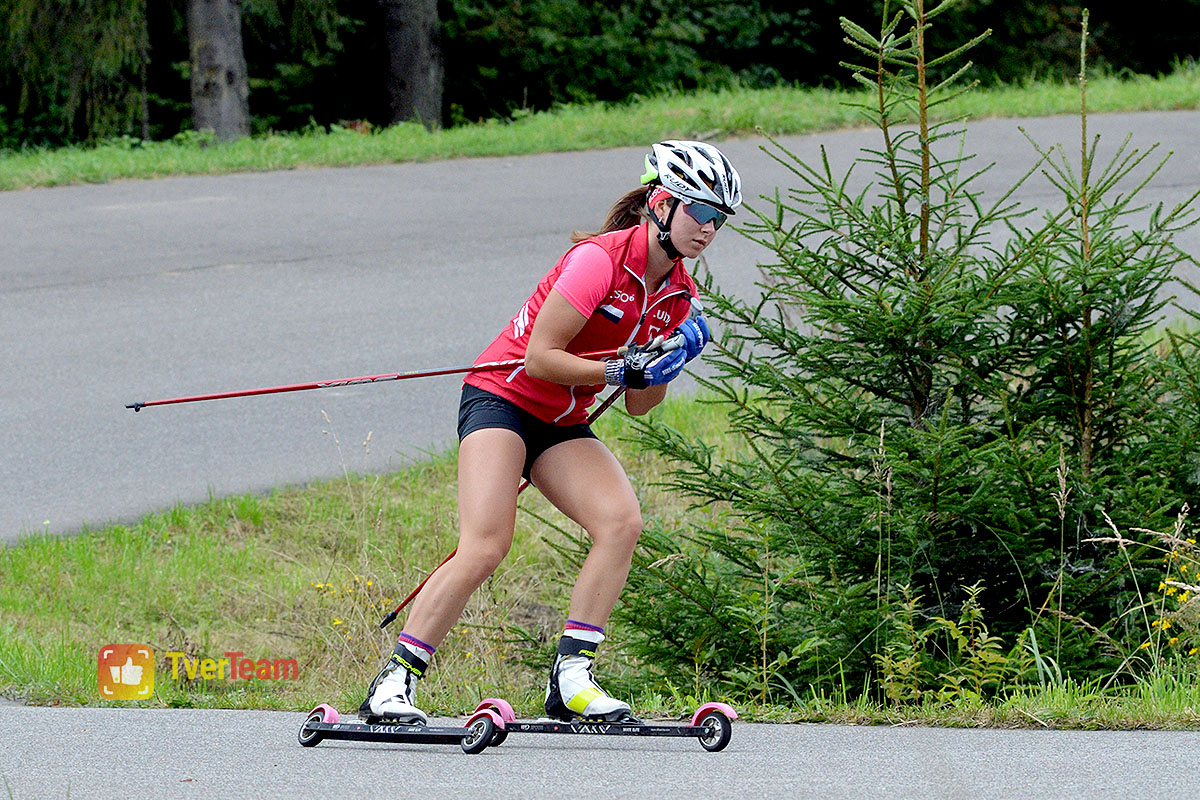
(630, 210)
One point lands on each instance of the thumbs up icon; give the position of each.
(126, 672)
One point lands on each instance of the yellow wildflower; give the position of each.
(1173, 640)
(337, 622)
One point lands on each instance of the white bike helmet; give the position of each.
(695, 172)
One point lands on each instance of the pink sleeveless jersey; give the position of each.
(619, 311)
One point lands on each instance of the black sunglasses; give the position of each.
(704, 213)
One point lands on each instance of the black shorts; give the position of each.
(481, 409)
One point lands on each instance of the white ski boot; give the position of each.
(572, 692)
(391, 697)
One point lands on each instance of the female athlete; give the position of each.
(625, 285)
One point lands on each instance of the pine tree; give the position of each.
(921, 363)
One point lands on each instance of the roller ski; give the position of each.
(711, 725)
(323, 722)
(390, 714)
(576, 704)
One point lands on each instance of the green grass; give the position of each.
(304, 573)
(307, 573)
(703, 115)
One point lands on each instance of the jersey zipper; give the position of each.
(674, 290)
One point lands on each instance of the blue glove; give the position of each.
(695, 335)
(639, 369)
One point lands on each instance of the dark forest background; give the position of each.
(81, 70)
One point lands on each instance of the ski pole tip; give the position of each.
(388, 620)
(136, 406)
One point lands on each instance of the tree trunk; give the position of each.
(415, 73)
(220, 89)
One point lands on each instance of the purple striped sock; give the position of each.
(408, 638)
(576, 625)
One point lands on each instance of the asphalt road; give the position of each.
(139, 290)
(175, 753)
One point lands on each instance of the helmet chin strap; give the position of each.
(664, 231)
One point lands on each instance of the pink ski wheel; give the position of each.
(481, 729)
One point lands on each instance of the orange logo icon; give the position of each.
(126, 672)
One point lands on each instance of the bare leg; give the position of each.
(584, 480)
(489, 470)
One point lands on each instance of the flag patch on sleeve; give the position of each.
(611, 313)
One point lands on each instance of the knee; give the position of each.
(480, 559)
(621, 532)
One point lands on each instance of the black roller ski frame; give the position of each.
(323, 723)
(711, 725)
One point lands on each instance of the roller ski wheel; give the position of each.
(310, 735)
(481, 730)
(718, 731)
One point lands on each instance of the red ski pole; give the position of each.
(600, 409)
(391, 376)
